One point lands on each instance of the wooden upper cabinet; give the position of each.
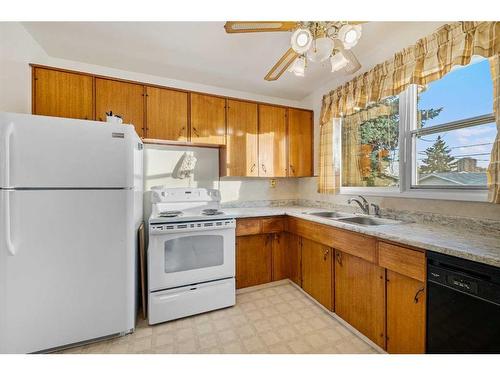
(300, 143)
(122, 98)
(208, 119)
(241, 153)
(360, 295)
(405, 314)
(272, 141)
(166, 114)
(62, 94)
(317, 272)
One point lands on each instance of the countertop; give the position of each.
(483, 248)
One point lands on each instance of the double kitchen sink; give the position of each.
(343, 217)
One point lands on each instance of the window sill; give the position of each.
(452, 195)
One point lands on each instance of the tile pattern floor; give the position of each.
(273, 319)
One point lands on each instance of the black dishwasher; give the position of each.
(463, 306)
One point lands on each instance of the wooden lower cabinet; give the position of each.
(360, 295)
(253, 260)
(279, 264)
(294, 258)
(405, 314)
(317, 272)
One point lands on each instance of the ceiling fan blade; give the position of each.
(258, 26)
(353, 66)
(282, 65)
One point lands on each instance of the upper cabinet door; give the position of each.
(122, 98)
(272, 141)
(300, 143)
(241, 154)
(62, 94)
(208, 119)
(167, 114)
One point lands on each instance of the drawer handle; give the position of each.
(339, 258)
(325, 253)
(415, 299)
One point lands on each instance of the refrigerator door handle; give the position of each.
(8, 136)
(8, 239)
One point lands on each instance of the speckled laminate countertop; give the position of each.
(461, 243)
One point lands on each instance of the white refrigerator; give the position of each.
(70, 206)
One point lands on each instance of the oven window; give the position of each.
(193, 252)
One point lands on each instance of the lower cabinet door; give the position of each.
(279, 256)
(253, 260)
(405, 314)
(317, 272)
(360, 295)
(294, 258)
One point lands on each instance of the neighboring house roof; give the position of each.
(454, 178)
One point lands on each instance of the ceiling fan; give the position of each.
(310, 41)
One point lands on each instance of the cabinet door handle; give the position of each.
(181, 131)
(195, 132)
(252, 168)
(292, 169)
(325, 253)
(264, 168)
(339, 258)
(415, 299)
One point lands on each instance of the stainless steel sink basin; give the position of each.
(329, 214)
(365, 220)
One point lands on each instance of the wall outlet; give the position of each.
(273, 182)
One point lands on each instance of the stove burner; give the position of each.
(170, 213)
(212, 212)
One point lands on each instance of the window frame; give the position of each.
(407, 158)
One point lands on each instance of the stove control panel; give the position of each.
(192, 226)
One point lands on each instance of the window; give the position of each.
(455, 129)
(370, 152)
(436, 138)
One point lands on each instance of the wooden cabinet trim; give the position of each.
(402, 260)
(350, 242)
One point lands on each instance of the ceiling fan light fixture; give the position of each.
(320, 50)
(298, 67)
(301, 40)
(338, 62)
(350, 35)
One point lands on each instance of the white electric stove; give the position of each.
(191, 254)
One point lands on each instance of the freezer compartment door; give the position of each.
(51, 152)
(68, 273)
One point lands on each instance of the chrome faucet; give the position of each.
(365, 206)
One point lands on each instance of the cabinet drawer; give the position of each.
(402, 260)
(272, 225)
(246, 227)
(356, 244)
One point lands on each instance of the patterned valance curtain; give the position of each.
(429, 59)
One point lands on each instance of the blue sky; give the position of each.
(464, 92)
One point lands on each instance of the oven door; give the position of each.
(180, 258)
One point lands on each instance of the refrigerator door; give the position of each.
(51, 152)
(66, 267)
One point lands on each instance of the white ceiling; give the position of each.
(202, 52)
